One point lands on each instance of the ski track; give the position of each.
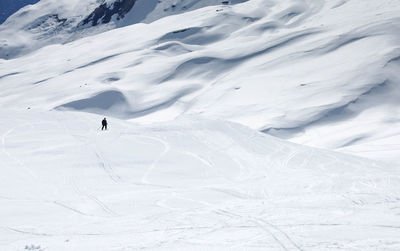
(92, 141)
(94, 199)
(289, 239)
(106, 166)
(208, 164)
(167, 148)
(281, 237)
(238, 209)
(71, 208)
(29, 232)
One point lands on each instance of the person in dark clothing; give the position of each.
(104, 123)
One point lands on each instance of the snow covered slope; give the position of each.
(59, 21)
(191, 98)
(9, 7)
(185, 185)
(321, 73)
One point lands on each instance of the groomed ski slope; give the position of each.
(186, 185)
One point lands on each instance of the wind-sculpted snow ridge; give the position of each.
(192, 184)
(321, 73)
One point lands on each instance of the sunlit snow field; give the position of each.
(185, 185)
(264, 125)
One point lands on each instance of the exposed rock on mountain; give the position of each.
(105, 12)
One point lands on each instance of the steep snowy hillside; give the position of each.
(321, 73)
(60, 21)
(186, 185)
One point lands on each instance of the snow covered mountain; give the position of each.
(9, 7)
(60, 21)
(195, 93)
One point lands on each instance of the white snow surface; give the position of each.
(194, 102)
(38, 25)
(190, 184)
(321, 73)
(59, 21)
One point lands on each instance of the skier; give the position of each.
(104, 123)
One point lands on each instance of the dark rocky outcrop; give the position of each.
(104, 13)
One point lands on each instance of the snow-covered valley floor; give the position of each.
(184, 185)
